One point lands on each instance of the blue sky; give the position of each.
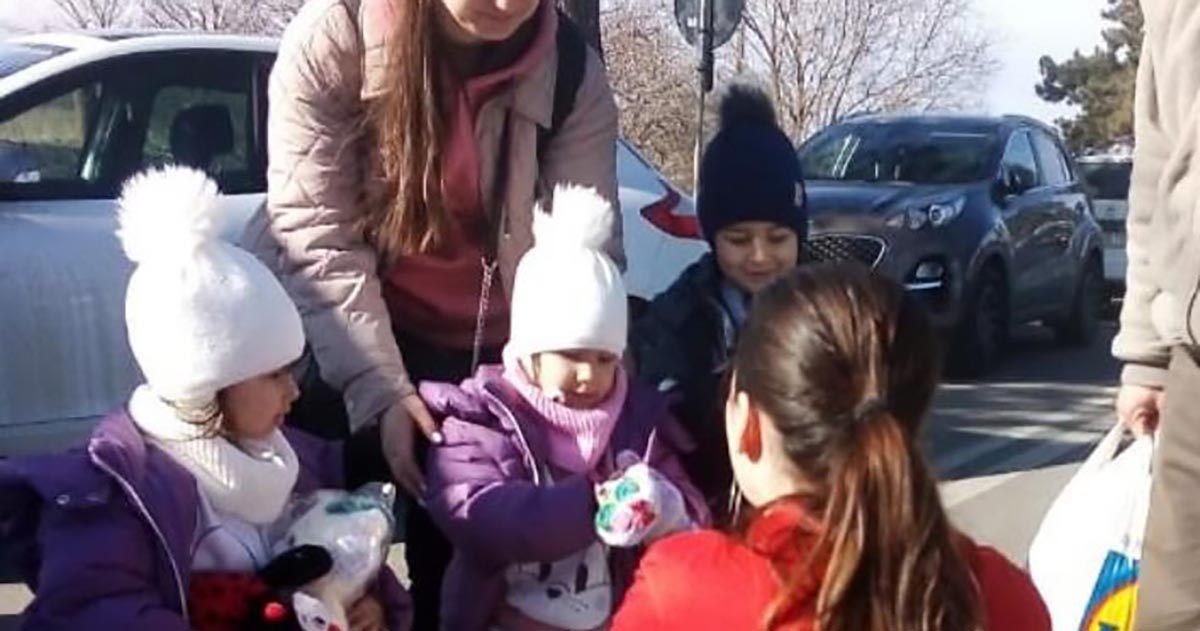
(1023, 31)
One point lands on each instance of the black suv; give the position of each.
(984, 219)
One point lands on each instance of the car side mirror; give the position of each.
(1012, 182)
(1001, 191)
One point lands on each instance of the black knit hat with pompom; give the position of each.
(750, 170)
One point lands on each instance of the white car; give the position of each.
(1107, 178)
(79, 114)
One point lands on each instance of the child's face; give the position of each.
(254, 408)
(580, 379)
(752, 254)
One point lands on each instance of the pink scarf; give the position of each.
(577, 438)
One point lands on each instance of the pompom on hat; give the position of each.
(568, 294)
(202, 314)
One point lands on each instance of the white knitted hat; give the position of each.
(202, 313)
(568, 294)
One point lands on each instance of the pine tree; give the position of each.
(1101, 84)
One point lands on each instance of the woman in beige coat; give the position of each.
(409, 141)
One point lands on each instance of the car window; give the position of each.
(1054, 166)
(900, 152)
(1019, 160)
(196, 108)
(201, 111)
(16, 56)
(1107, 180)
(200, 127)
(47, 141)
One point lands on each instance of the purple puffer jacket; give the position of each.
(105, 532)
(487, 493)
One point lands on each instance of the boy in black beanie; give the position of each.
(751, 208)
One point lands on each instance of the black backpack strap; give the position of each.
(572, 63)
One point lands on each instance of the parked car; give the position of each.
(79, 114)
(984, 219)
(1107, 178)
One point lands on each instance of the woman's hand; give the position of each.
(397, 430)
(366, 615)
(1139, 408)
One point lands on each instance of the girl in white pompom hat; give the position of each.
(526, 482)
(182, 483)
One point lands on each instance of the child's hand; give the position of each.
(366, 615)
(639, 507)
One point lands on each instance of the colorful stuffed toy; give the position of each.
(639, 506)
(356, 529)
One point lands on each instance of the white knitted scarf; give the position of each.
(251, 480)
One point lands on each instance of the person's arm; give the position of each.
(673, 585)
(584, 151)
(1010, 599)
(315, 203)
(1139, 344)
(396, 602)
(481, 499)
(665, 460)
(110, 583)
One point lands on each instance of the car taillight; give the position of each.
(663, 214)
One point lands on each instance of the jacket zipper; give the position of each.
(526, 451)
(141, 506)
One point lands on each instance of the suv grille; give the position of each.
(831, 248)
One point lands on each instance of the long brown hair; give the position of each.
(846, 366)
(406, 124)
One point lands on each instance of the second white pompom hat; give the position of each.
(202, 314)
(568, 294)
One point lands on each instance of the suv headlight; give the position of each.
(934, 215)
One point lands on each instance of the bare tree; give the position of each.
(651, 70)
(229, 16)
(825, 59)
(95, 14)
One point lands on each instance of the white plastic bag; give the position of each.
(1084, 559)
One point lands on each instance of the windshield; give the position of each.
(14, 57)
(1107, 180)
(905, 153)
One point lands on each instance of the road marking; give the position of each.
(1054, 442)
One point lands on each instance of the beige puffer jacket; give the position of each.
(1162, 297)
(331, 62)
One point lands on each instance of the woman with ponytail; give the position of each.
(832, 378)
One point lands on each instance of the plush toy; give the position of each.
(356, 529)
(234, 601)
(639, 506)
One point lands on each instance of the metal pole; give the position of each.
(698, 150)
(704, 71)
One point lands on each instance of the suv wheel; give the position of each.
(983, 332)
(1083, 320)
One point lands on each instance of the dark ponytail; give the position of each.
(846, 367)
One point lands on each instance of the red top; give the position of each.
(435, 296)
(709, 581)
